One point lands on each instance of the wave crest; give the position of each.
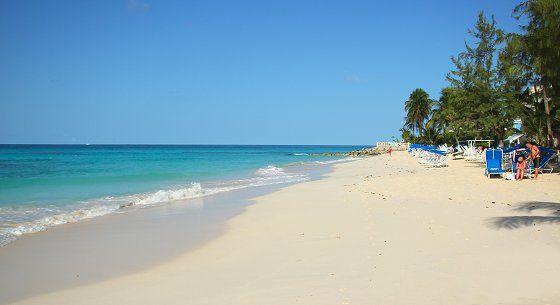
(270, 171)
(33, 219)
(195, 190)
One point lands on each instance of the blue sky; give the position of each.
(223, 72)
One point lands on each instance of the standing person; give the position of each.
(390, 150)
(535, 155)
(521, 164)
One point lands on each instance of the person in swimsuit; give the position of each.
(535, 155)
(521, 163)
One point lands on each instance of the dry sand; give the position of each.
(376, 231)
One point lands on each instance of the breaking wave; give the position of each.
(270, 170)
(24, 220)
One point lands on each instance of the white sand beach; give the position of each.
(381, 230)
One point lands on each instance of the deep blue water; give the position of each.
(44, 185)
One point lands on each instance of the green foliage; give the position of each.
(417, 107)
(539, 50)
(497, 78)
(534, 118)
(408, 136)
(478, 86)
(542, 37)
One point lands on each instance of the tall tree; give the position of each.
(534, 116)
(477, 82)
(514, 75)
(541, 48)
(447, 114)
(417, 107)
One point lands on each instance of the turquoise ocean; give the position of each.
(48, 185)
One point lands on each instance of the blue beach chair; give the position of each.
(546, 155)
(494, 159)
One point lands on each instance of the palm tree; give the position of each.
(418, 108)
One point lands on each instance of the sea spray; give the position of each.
(269, 171)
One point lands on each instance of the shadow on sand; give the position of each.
(516, 222)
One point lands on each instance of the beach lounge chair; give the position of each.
(472, 154)
(494, 159)
(459, 153)
(429, 156)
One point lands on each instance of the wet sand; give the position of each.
(98, 249)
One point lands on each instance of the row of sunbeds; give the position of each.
(497, 161)
(469, 153)
(429, 155)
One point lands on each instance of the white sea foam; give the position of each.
(19, 221)
(194, 190)
(337, 160)
(54, 216)
(270, 170)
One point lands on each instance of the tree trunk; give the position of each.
(550, 136)
(500, 136)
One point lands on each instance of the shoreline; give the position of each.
(73, 249)
(374, 231)
(21, 220)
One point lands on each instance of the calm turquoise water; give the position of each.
(45, 185)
